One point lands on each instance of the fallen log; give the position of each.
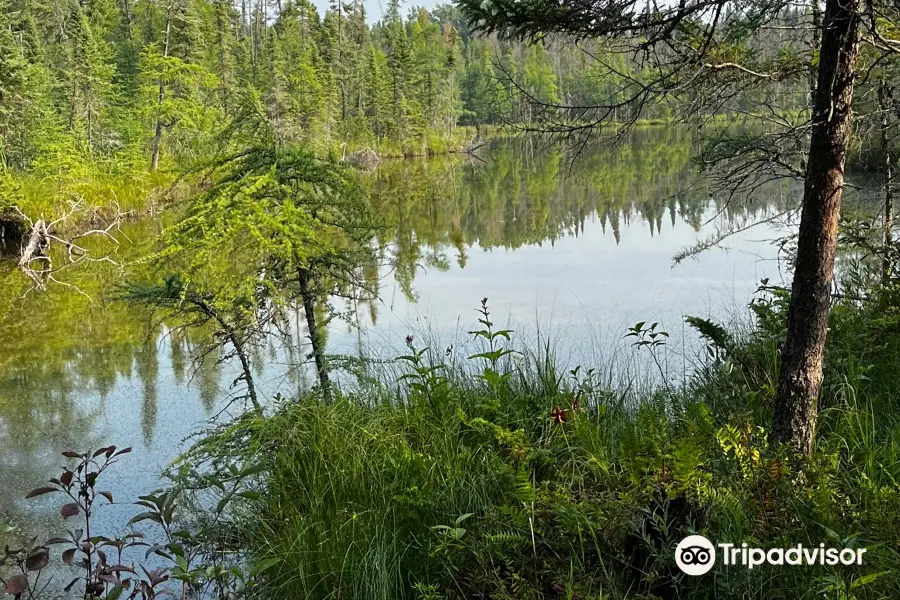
(363, 158)
(36, 249)
(35, 257)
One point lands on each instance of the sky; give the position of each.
(375, 8)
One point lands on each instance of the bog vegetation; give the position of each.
(437, 476)
(499, 475)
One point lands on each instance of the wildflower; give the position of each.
(409, 340)
(449, 349)
(558, 415)
(484, 301)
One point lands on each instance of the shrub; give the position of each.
(497, 478)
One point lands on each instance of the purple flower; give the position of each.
(409, 340)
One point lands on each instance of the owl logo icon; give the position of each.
(695, 555)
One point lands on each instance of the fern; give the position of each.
(524, 488)
(712, 332)
(506, 540)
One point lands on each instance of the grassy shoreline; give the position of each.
(499, 476)
(125, 183)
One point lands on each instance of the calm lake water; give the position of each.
(578, 250)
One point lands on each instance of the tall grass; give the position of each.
(503, 476)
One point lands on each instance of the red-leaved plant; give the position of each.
(104, 572)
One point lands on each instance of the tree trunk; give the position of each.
(222, 47)
(341, 71)
(233, 336)
(254, 39)
(884, 105)
(816, 41)
(800, 379)
(306, 296)
(247, 370)
(127, 20)
(157, 136)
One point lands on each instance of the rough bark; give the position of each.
(800, 379)
(884, 105)
(306, 296)
(816, 41)
(127, 19)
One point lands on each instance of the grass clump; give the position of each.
(497, 476)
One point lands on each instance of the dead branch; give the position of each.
(36, 260)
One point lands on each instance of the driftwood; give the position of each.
(472, 146)
(35, 258)
(35, 249)
(363, 158)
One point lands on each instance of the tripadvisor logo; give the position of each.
(696, 555)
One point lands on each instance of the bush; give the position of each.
(495, 477)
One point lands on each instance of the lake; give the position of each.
(570, 250)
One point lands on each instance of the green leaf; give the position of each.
(867, 579)
(115, 593)
(263, 566)
(145, 516)
(252, 470)
(462, 518)
(223, 502)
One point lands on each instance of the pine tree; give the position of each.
(13, 84)
(296, 95)
(88, 76)
(399, 61)
(377, 93)
(176, 84)
(481, 89)
(224, 40)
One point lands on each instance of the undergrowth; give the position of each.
(498, 476)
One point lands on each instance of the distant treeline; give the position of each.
(145, 81)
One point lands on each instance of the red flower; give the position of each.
(558, 415)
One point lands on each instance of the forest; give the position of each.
(144, 82)
(135, 84)
(213, 211)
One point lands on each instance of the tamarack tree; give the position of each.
(700, 57)
(275, 225)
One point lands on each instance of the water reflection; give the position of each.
(587, 240)
(524, 193)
